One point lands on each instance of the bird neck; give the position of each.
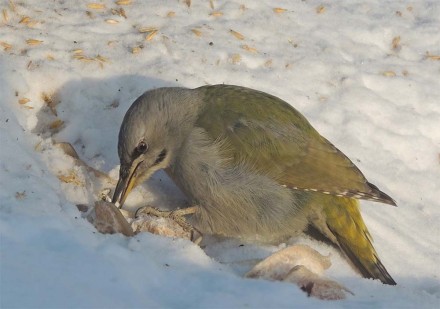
(182, 107)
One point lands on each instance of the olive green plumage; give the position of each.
(271, 134)
(253, 164)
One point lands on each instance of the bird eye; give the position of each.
(142, 147)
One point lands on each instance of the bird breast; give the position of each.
(233, 199)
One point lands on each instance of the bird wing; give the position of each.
(275, 139)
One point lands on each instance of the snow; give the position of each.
(365, 73)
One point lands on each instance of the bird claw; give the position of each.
(151, 211)
(175, 215)
(104, 195)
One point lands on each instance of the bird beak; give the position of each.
(126, 183)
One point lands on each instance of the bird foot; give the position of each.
(177, 216)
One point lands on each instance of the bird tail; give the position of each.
(343, 225)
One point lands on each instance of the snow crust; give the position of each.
(365, 73)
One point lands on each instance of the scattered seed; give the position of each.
(37, 147)
(87, 59)
(12, 6)
(24, 20)
(171, 14)
(112, 21)
(395, 44)
(249, 49)
(72, 178)
(33, 42)
(119, 12)
(197, 32)
(216, 13)
(147, 29)
(235, 58)
(6, 46)
(268, 63)
(96, 6)
(20, 195)
(32, 23)
(320, 9)
(32, 66)
(50, 57)
(122, 13)
(389, 73)
(279, 10)
(151, 35)
(83, 58)
(23, 101)
(432, 57)
(114, 104)
(101, 58)
(5, 15)
(78, 51)
(136, 50)
(56, 124)
(237, 35)
(50, 102)
(123, 2)
(295, 45)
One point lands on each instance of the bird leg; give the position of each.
(177, 216)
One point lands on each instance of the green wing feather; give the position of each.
(274, 138)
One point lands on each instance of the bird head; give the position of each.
(147, 141)
(151, 134)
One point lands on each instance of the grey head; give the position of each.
(153, 130)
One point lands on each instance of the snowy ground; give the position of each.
(365, 73)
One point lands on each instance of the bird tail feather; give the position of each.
(346, 228)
